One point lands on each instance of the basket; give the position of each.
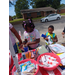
(23, 61)
(53, 55)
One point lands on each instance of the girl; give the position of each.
(31, 35)
(51, 34)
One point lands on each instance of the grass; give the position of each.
(62, 14)
(37, 18)
(16, 20)
(21, 19)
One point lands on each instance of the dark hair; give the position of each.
(28, 23)
(51, 26)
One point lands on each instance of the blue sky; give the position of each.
(12, 9)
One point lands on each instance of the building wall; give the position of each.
(24, 16)
(42, 13)
(61, 11)
(34, 14)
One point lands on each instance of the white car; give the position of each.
(51, 17)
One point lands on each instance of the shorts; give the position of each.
(33, 48)
(15, 48)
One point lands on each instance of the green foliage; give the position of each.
(20, 5)
(62, 14)
(45, 3)
(14, 17)
(61, 5)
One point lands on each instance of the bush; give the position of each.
(39, 15)
(27, 18)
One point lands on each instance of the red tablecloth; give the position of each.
(57, 71)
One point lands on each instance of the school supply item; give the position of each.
(57, 48)
(50, 37)
(25, 49)
(27, 66)
(48, 61)
(42, 50)
(49, 42)
(62, 57)
(43, 35)
(51, 61)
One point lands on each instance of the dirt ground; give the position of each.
(43, 27)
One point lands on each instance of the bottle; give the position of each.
(26, 49)
(50, 40)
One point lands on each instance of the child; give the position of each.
(31, 35)
(51, 34)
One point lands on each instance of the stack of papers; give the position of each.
(62, 57)
(57, 48)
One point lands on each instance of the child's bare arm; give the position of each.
(55, 39)
(24, 42)
(33, 42)
(46, 38)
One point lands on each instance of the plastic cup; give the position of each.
(43, 35)
(26, 49)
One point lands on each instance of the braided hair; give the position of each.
(29, 23)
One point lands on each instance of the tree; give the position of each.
(56, 4)
(45, 3)
(14, 17)
(61, 5)
(12, 2)
(20, 5)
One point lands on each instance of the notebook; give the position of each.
(62, 57)
(42, 49)
(57, 48)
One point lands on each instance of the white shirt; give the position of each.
(12, 38)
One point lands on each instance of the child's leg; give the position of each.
(33, 48)
(30, 48)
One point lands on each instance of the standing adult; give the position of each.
(63, 33)
(12, 29)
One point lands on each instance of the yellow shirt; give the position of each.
(52, 36)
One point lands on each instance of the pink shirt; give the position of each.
(12, 38)
(32, 37)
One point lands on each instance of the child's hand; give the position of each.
(46, 38)
(63, 34)
(21, 47)
(27, 44)
(20, 43)
(54, 40)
